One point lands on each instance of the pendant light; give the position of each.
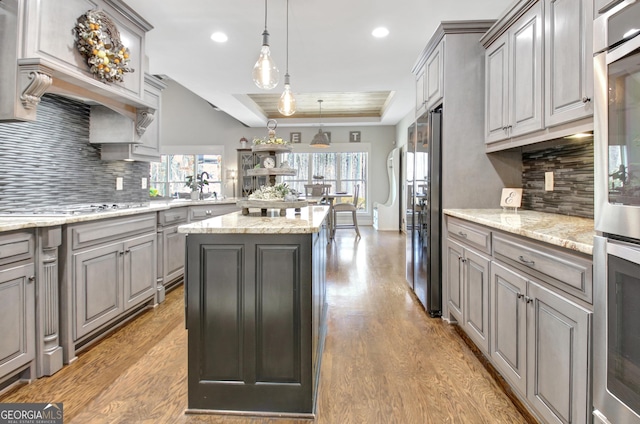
(320, 139)
(265, 72)
(287, 103)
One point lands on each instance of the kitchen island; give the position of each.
(255, 306)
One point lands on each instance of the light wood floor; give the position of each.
(385, 360)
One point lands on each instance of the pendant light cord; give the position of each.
(287, 71)
(265, 15)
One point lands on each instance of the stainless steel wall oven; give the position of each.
(616, 358)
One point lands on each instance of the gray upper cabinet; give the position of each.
(514, 79)
(429, 78)
(539, 73)
(604, 5)
(568, 60)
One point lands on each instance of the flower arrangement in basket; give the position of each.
(276, 192)
(98, 41)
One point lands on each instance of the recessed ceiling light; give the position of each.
(380, 32)
(219, 37)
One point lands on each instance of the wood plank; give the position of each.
(385, 359)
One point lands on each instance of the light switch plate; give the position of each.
(144, 182)
(119, 183)
(548, 181)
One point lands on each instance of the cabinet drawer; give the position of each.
(15, 247)
(563, 270)
(173, 216)
(102, 231)
(473, 235)
(198, 213)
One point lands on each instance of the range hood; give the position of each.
(38, 55)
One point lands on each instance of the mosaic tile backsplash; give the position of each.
(572, 167)
(50, 162)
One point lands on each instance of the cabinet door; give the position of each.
(568, 60)
(17, 318)
(434, 82)
(173, 254)
(496, 90)
(139, 269)
(525, 84)
(454, 282)
(604, 5)
(558, 353)
(246, 160)
(97, 285)
(421, 97)
(476, 298)
(508, 318)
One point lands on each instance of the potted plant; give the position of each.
(196, 184)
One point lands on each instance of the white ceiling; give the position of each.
(331, 49)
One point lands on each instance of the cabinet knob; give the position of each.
(121, 253)
(463, 260)
(526, 261)
(461, 234)
(207, 212)
(586, 99)
(520, 296)
(528, 299)
(32, 278)
(127, 251)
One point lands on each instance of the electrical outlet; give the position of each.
(548, 181)
(144, 182)
(119, 183)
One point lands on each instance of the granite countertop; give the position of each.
(570, 232)
(309, 220)
(10, 223)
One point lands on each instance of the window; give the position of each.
(343, 170)
(170, 175)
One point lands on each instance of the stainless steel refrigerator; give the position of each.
(423, 222)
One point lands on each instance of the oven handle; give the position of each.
(624, 250)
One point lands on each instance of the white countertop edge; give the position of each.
(9, 223)
(579, 231)
(308, 221)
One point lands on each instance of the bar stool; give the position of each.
(347, 207)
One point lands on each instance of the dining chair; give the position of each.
(347, 207)
(316, 190)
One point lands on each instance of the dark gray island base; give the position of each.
(255, 298)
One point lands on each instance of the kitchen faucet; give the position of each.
(203, 181)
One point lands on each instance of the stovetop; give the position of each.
(71, 210)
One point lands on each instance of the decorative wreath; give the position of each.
(98, 40)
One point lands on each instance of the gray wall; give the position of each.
(572, 167)
(50, 162)
(188, 120)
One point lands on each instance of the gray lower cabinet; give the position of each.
(108, 272)
(17, 320)
(468, 281)
(540, 344)
(527, 306)
(171, 248)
